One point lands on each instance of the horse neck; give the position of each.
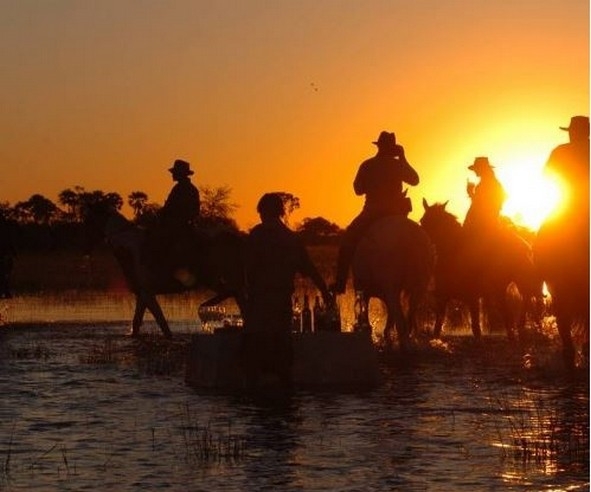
(449, 235)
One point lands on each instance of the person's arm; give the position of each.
(308, 269)
(359, 184)
(408, 173)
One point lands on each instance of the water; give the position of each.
(86, 408)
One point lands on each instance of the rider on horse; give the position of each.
(174, 234)
(482, 227)
(569, 162)
(568, 229)
(488, 197)
(380, 178)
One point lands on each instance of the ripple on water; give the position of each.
(80, 413)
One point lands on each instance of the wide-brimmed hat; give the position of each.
(385, 139)
(181, 167)
(577, 124)
(479, 164)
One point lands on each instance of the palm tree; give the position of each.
(137, 200)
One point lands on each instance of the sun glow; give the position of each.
(531, 196)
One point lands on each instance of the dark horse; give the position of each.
(393, 263)
(216, 265)
(561, 253)
(468, 273)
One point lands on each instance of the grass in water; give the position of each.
(203, 446)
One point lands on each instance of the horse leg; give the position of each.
(474, 308)
(440, 306)
(138, 316)
(564, 322)
(150, 303)
(402, 328)
(396, 317)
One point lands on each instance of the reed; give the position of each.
(531, 432)
(203, 446)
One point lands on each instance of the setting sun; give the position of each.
(532, 194)
(531, 197)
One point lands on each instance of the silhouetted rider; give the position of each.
(570, 163)
(488, 198)
(567, 231)
(380, 178)
(173, 236)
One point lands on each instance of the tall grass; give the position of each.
(529, 431)
(203, 446)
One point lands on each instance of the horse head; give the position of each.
(443, 227)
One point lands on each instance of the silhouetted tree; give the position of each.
(78, 199)
(137, 200)
(216, 207)
(89, 199)
(37, 210)
(291, 202)
(71, 200)
(318, 230)
(215, 202)
(5, 211)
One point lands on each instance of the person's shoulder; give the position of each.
(369, 161)
(559, 149)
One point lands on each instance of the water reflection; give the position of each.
(449, 417)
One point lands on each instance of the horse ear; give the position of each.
(445, 204)
(425, 204)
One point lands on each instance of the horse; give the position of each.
(217, 265)
(393, 262)
(471, 273)
(561, 253)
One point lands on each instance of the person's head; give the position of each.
(578, 130)
(386, 142)
(481, 166)
(271, 207)
(180, 169)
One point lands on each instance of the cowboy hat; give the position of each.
(385, 138)
(181, 167)
(577, 123)
(479, 164)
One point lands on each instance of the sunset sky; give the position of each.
(281, 95)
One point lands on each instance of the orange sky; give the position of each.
(284, 95)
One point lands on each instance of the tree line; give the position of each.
(40, 223)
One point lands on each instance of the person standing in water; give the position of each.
(274, 255)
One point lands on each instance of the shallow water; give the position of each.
(86, 408)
